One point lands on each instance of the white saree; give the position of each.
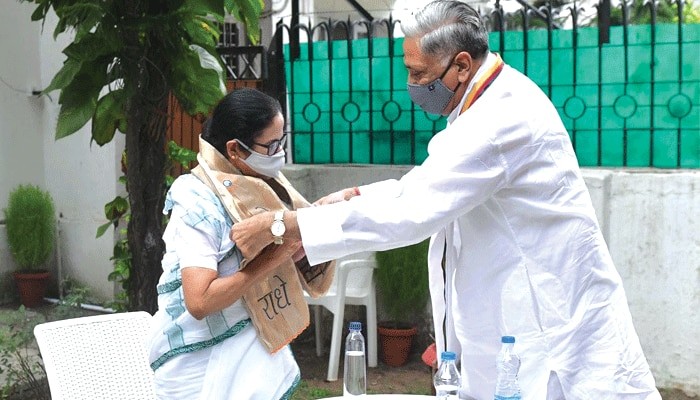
(220, 356)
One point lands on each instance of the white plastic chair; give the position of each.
(353, 284)
(98, 357)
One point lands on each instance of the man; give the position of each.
(515, 249)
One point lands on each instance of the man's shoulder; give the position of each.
(521, 84)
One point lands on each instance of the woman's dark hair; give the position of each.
(242, 114)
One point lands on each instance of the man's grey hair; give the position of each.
(447, 27)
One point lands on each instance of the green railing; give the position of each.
(631, 102)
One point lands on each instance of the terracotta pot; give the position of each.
(395, 344)
(31, 287)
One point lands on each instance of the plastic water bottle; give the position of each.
(507, 387)
(447, 379)
(355, 372)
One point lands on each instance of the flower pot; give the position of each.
(395, 344)
(31, 287)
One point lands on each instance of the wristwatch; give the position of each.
(278, 227)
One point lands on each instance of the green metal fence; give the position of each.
(631, 102)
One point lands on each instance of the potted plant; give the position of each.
(30, 220)
(402, 282)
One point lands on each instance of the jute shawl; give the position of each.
(276, 305)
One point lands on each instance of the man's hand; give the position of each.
(253, 234)
(341, 195)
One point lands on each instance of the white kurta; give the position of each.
(502, 192)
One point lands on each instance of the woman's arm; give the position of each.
(206, 293)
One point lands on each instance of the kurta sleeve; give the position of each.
(198, 226)
(464, 168)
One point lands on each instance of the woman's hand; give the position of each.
(341, 195)
(253, 234)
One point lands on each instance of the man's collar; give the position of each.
(487, 65)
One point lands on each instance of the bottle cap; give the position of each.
(355, 326)
(448, 356)
(508, 339)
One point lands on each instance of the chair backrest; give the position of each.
(360, 269)
(97, 357)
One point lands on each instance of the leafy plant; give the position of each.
(30, 218)
(402, 279)
(125, 58)
(75, 295)
(19, 365)
(304, 391)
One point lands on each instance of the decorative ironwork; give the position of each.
(628, 94)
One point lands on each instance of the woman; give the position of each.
(205, 342)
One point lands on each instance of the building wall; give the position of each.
(80, 176)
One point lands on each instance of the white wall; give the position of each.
(651, 222)
(21, 130)
(654, 238)
(81, 177)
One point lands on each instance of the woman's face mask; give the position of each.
(433, 96)
(263, 164)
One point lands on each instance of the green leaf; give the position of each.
(79, 98)
(93, 46)
(102, 229)
(248, 12)
(65, 76)
(83, 16)
(201, 32)
(109, 115)
(206, 7)
(116, 208)
(121, 251)
(169, 180)
(181, 155)
(41, 11)
(198, 80)
(74, 116)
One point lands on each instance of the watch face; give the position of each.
(277, 228)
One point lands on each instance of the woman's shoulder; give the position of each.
(191, 193)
